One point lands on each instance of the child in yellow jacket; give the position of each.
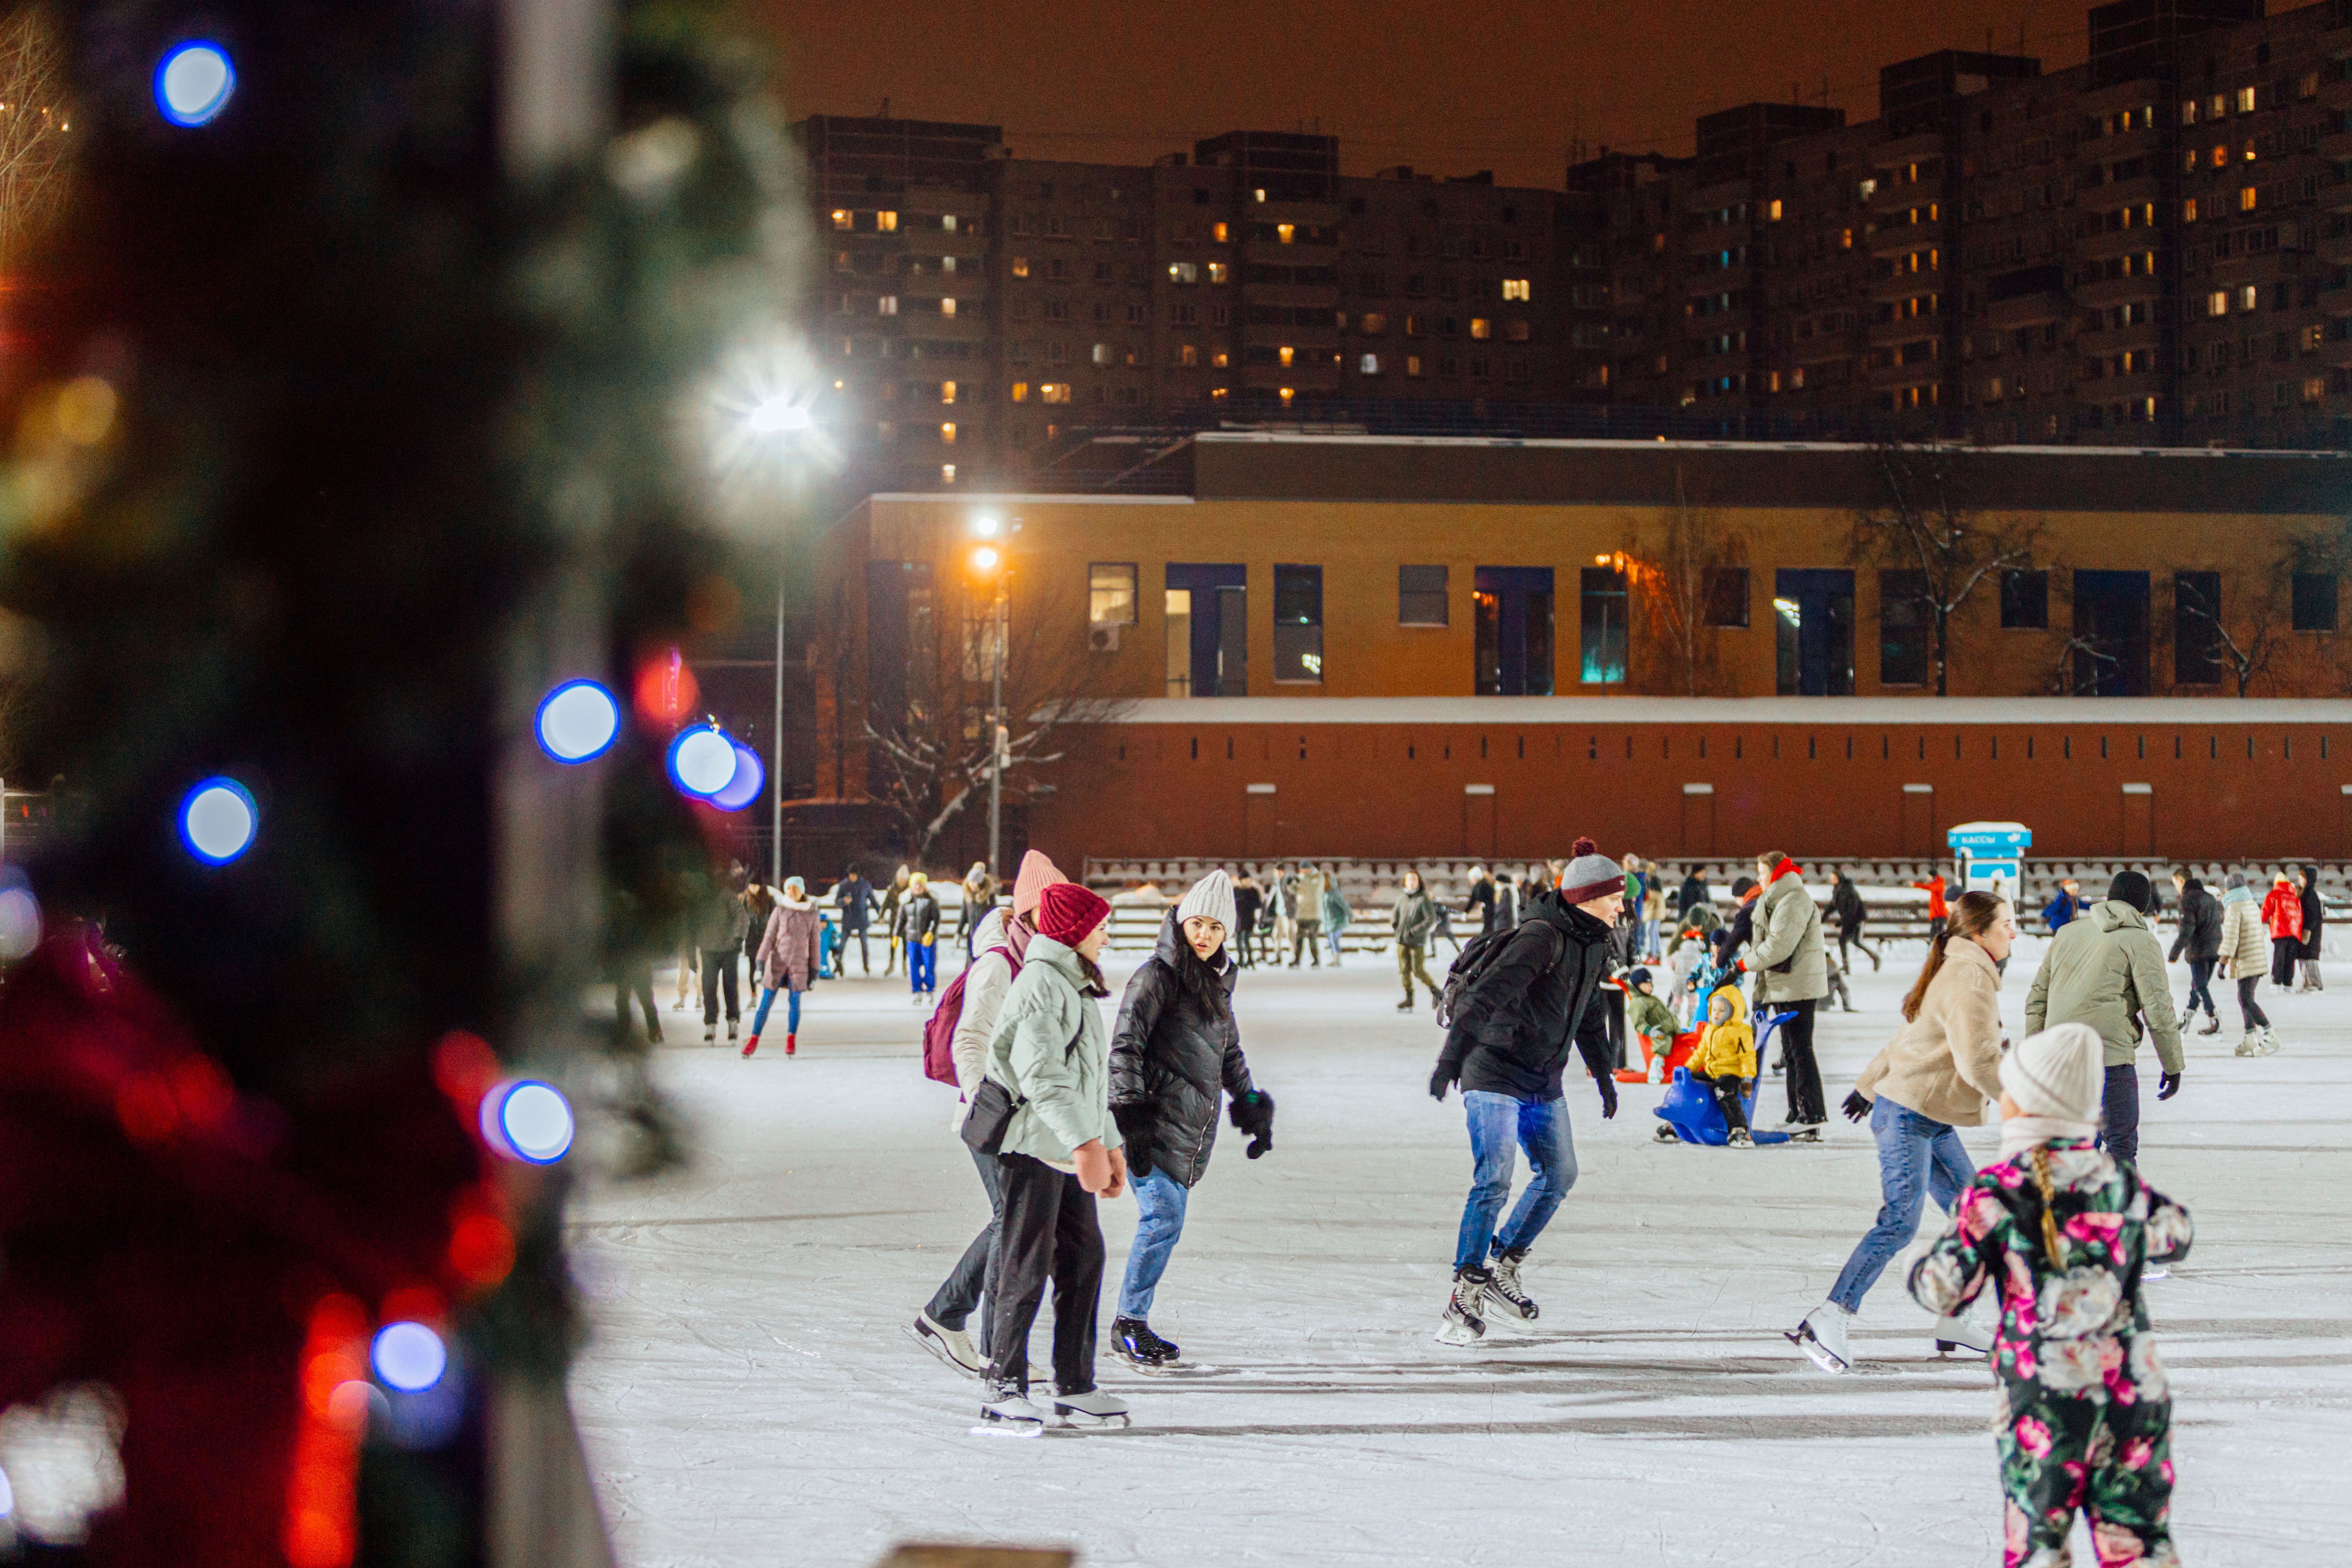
(1725, 1058)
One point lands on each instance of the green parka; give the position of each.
(1052, 1050)
(2105, 969)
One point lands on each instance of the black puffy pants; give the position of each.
(1048, 1231)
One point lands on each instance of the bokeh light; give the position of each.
(578, 721)
(702, 759)
(218, 820)
(20, 919)
(193, 83)
(667, 690)
(537, 1122)
(744, 788)
(409, 1356)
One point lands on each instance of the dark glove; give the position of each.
(1253, 1113)
(1137, 1125)
(1447, 1073)
(2166, 1084)
(1607, 1084)
(1856, 1107)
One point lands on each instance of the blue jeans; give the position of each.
(1540, 1126)
(792, 1011)
(923, 965)
(1158, 1226)
(1918, 1158)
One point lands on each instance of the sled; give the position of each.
(1677, 1055)
(1690, 1109)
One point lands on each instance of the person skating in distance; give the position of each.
(1175, 1053)
(1523, 1001)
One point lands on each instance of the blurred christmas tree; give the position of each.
(380, 369)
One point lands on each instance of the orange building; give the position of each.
(1336, 645)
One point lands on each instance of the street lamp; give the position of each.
(987, 564)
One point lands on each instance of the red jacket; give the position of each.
(1936, 909)
(2282, 912)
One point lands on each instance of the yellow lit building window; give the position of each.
(946, 432)
(1219, 272)
(1285, 354)
(1021, 267)
(1219, 360)
(947, 307)
(885, 223)
(1288, 393)
(946, 392)
(1217, 232)
(1774, 210)
(1515, 289)
(2247, 196)
(1019, 392)
(1480, 327)
(1286, 232)
(1216, 393)
(841, 218)
(1053, 392)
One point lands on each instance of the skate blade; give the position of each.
(1815, 1351)
(1081, 1419)
(1953, 1347)
(1458, 1334)
(1511, 1314)
(996, 1428)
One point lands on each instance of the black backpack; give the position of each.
(1470, 967)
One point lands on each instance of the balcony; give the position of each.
(2130, 193)
(2141, 337)
(2117, 292)
(1918, 147)
(1903, 330)
(2027, 310)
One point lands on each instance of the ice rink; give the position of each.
(749, 1397)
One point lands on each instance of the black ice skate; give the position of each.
(1503, 1291)
(1140, 1348)
(1464, 1323)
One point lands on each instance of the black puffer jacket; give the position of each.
(1175, 1046)
(1511, 1035)
(2200, 937)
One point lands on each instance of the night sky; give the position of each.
(1448, 89)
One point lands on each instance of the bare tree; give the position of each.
(35, 128)
(931, 759)
(2248, 650)
(1668, 572)
(1921, 525)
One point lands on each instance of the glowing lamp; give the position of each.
(194, 84)
(20, 922)
(409, 1357)
(218, 821)
(984, 559)
(702, 761)
(985, 527)
(778, 416)
(528, 1121)
(744, 788)
(578, 720)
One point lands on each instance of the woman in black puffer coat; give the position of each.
(1176, 1052)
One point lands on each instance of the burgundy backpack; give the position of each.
(938, 1035)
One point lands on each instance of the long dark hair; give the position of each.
(1193, 973)
(1973, 913)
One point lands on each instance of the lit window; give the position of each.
(2247, 298)
(2217, 303)
(1288, 393)
(1773, 212)
(1480, 327)
(1298, 623)
(2216, 106)
(1217, 394)
(1413, 366)
(1220, 360)
(1186, 355)
(2315, 387)
(946, 432)
(1869, 188)
(844, 218)
(1217, 231)
(1019, 392)
(1286, 232)
(888, 305)
(1375, 321)
(1259, 196)
(1845, 240)
(2245, 100)
(1110, 593)
(2249, 150)
(1021, 267)
(1286, 353)
(1219, 272)
(1370, 364)
(2188, 210)
(1183, 272)
(1053, 392)
(1102, 354)
(947, 222)
(946, 392)
(2247, 196)
(947, 307)
(1796, 378)
(1515, 289)
(885, 223)
(947, 473)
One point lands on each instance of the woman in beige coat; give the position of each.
(1935, 1075)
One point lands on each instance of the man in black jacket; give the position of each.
(2200, 943)
(1507, 1048)
(1845, 902)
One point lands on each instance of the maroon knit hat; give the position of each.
(1068, 912)
(1590, 874)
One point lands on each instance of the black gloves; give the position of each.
(1856, 1107)
(1253, 1113)
(1447, 1073)
(1607, 1084)
(1136, 1126)
(2167, 1085)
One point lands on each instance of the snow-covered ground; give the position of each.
(749, 1398)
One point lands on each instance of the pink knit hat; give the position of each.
(1036, 874)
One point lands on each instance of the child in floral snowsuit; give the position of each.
(2062, 1231)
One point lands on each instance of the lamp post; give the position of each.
(987, 562)
(779, 418)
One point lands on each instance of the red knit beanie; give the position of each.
(1068, 912)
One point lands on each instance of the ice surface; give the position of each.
(749, 1398)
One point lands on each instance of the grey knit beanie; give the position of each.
(1590, 874)
(1211, 896)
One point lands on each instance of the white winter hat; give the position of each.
(1211, 896)
(2058, 1073)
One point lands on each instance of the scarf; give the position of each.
(1787, 868)
(2239, 896)
(2020, 1133)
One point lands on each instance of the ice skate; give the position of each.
(1091, 1408)
(952, 1346)
(2155, 1271)
(792, 1044)
(1464, 1323)
(750, 1045)
(2249, 1043)
(1666, 1134)
(1503, 1292)
(1405, 1005)
(2212, 1024)
(730, 1031)
(1961, 1333)
(1009, 1413)
(1138, 1346)
(2266, 1041)
(1822, 1336)
(1809, 1132)
(1738, 1139)
(709, 1034)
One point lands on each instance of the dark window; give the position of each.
(2025, 600)
(2314, 601)
(1603, 626)
(2196, 628)
(1905, 625)
(1511, 610)
(1298, 623)
(1726, 591)
(1421, 596)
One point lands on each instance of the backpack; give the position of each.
(1470, 967)
(938, 1034)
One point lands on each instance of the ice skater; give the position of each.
(854, 896)
(2063, 1234)
(919, 927)
(1652, 1020)
(2106, 969)
(1061, 1150)
(788, 958)
(1936, 1074)
(1507, 1048)
(1175, 1053)
(2199, 940)
(2244, 954)
(1415, 918)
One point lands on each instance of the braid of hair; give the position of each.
(2051, 1242)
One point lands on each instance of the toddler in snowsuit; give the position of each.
(1725, 1058)
(1648, 1016)
(2063, 1231)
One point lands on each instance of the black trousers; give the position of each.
(864, 959)
(1852, 939)
(2119, 1112)
(1731, 1094)
(2201, 986)
(1049, 1231)
(951, 1305)
(2250, 1009)
(1616, 1002)
(635, 979)
(718, 967)
(1804, 1073)
(2286, 953)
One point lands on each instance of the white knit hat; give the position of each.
(2058, 1073)
(1211, 896)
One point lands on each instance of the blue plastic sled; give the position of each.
(1690, 1111)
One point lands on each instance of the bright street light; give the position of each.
(984, 560)
(779, 416)
(985, 526)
